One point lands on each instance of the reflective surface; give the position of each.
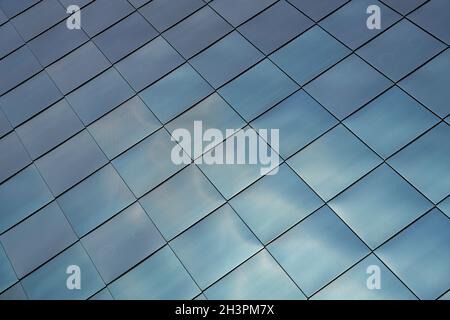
(87, 121)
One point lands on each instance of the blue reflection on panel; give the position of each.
(275, 203)
(429, 84)
(347, 86)
(130, 235)
(17, 67)
(78, 67)
(100, 95)
(420, 255)
(348, 24)
(13, 156)
(275, 26)
(175, 93)
(433, 17)
(11, 40)
(181, 201)
(29, 98)
(7, 275)
(103, 13)
(71, 162)
(404, 7)
(426, 163)
(49, 128)
(38, 239)
(56, 42)
(444, 206)
(14, 293)
(379, 205)
(390, 122)
(400, 50)
(226, 59)
(317, 250)
(197, 32)
(318, 51)
(317, 9)
(333, 162)
(247, 9)
(259, 278)
(161, 276)
(21, 195)
(300, 120)
(124, 37)
(164, 13)
(258, 89)
(104, 294)
(123, 127)
(39, 18)
(49, 282)
(95, 200)
(226, 239)
(231, 177)
(5, 126)
(214, 112)
(148, 163)
(149, 63)
(352, 285)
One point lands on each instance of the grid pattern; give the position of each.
(86, 177)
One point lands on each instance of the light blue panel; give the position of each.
(404, 7)
(258, 89)
(429, 84)
(390, 122)
(161, 276)
(29, 98)
(102, 295)
(14, 293)
(352, 76)
(348, 24)
(5, 126)
(445, 296)
(334, 162)
(122, 242)
(274, 203)
(352, 285)
(231, 178)
(123, 127)
(38, 239)
(226, 250)
(420, 255)
(148, 163)
(175, 93)
(7, 275)
(444, 206)
(11, 40)
(318, 51)
(81, 154)
(426, 163)
(100, 96)
(225, 59)
(318, 9)
(13, 156)
(400, 50)
(49, 128)
(149, 63)
(78, 67)
(13, 7)
(95, 200)
(300, 120)
(259, 278)
(181, 201)
(49, 282)
(317, 250)
(379, 205)
(214, 113)
(21, 195)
